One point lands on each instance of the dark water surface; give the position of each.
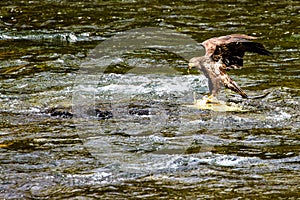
(76, 124)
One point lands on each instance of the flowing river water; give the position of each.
(94, 101)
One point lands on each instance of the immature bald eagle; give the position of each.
(222, 54)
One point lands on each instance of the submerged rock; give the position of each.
(137, 111)
(103, 114)
(66, 113)
(59, 112)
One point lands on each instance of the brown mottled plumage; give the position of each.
(222, 54)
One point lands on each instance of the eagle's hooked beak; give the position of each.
(190, 66)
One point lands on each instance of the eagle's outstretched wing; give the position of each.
(230, 49)
(229, 83)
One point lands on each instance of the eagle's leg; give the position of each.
(195, 98)
(214, 88)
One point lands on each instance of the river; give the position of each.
(95, 101)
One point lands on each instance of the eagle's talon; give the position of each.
(211, 99)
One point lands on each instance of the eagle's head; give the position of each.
(198, 62)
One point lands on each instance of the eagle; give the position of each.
(221, 55)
